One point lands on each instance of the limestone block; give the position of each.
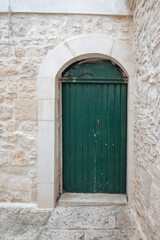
(29, 126)
(8, 146)
(1, 98)
(28, 142)
(1, 127)
(20, 51)
(34, 52)
(1, 109)
(3, 157)
(3, 198)
(4, 181)
(33, 154)
(11, 126)
(26, 109)
(5, 116)
(10, 138)
(12, 85)
(19, 158)
(11, 95)
(18, 196)
(28, 68)
(9, 108)
(19, 184)
(5, 52)
(8, 71)
(27, 86)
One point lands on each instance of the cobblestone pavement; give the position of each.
(67, 223)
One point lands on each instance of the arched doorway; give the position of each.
(94, 127)
(49, 117)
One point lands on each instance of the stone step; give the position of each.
(90, 217)
(90, 223)
(67, 223)
(53, 234)
(97, 199)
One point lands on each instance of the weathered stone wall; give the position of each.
(25, 40)
(147, 117)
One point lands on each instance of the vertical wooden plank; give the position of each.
(111, 149)
(66, 132)
(123, 141)
(91, 139)
(104, 133)
(98, 138)
(85, 129)
(117, 136)
(73, 137)
(78, 132)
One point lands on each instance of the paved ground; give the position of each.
(67, 223)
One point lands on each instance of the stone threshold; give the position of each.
(92, 199)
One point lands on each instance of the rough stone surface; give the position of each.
(147, 117)
(22, 223)
(69, 223)
(25, 40)
(26, 109)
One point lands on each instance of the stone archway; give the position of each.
(49, 148)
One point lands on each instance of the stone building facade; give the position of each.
(26, 39)
(147, 115)
(28, 35)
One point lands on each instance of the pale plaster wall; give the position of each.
(25, 41)
(147, 117)
(105, 7)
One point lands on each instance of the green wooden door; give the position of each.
(94, 113)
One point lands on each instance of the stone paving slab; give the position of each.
(22, 223)
(67, 223)
(53, 234)
(24, 216)
(82, 218)
(91, 218)
(20, 232)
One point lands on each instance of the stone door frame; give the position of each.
(49, 108)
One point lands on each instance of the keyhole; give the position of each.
(98, 123)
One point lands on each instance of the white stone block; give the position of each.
(131, 101)
(46, 151)
(46, 195)
(46, 110)
(46, 88)
(90, 44)
(123, 52)
(55, 61)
